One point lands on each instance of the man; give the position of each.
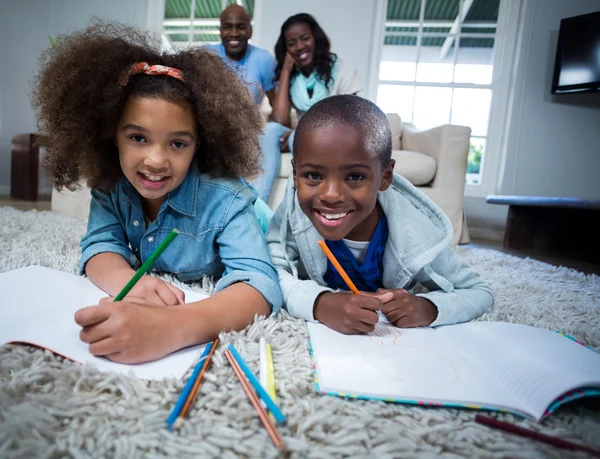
(255, 66)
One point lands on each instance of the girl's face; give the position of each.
(337, 179)
(300, 43)
(157, 140)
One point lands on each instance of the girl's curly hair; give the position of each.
(324, 59)
(79, 100)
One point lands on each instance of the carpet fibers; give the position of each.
(53, 408)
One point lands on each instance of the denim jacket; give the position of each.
(416, 252)
(219, 234)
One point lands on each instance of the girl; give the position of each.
(307, 72)
(162, 140)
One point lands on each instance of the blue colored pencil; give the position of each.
(187, 388)
(273, 408)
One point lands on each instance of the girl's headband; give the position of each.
(143, 67)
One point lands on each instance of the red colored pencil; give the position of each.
(523, 432)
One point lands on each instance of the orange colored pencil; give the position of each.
(194, 392)
(338, 267)
(262, 414)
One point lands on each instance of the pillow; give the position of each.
(418, 168)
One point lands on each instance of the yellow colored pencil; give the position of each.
(270, 374)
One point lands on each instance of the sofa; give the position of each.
(434, 160)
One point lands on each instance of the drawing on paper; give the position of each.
(385, 330)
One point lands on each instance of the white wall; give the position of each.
(553, 142)
(554, 147)
(24, 29)
(349, 24)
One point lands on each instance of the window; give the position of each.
(195, 22)
(436, 67)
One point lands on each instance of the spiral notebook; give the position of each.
(38, 308)
(480, 365)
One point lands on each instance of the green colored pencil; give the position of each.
(146, 266)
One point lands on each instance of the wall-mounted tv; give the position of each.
(577, 62)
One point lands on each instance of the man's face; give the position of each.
(235, 32)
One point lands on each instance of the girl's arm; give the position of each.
(135, 330)
(282, 104)
(107, 258)
(109, 271)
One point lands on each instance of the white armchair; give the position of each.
(434, 160)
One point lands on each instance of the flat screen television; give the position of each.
(577, 62)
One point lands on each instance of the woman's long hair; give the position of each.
(324, 59)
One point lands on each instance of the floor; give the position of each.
(586, 267)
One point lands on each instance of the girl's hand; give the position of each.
(288, 63)
(406, 310)
(129, 331)
(349, 313)
(156, 291)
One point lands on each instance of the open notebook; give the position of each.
(38, 308)
(480, 365)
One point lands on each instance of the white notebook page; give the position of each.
(38, 308)
(494, 364)
(406, 364)
(533, 364)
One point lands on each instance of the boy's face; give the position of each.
(337, 179)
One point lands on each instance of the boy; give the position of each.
(386, 234)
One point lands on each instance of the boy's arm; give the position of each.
(458, 292)
(299, 295)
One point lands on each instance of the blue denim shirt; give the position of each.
(219, 233)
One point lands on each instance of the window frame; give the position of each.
(508, 30)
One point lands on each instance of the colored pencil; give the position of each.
(194, 392)
(273, 408)
(262, 414)
(338, 267)
(271, 374)
(263, 363)
(187, 388)
(523, 432)
(147, 265)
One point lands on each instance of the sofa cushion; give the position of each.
(285, 170)
(418, 168)
(397, 130)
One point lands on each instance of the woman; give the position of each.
(307, 72)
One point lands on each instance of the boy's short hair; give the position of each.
(352, 111)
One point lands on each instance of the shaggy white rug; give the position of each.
(51, 407)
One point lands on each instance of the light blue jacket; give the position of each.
(417, 251)
(219, 234)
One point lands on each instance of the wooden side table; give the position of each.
(565, 226)
(24, 169)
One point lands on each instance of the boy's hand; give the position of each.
(156, 291)
(349, 313)
(406, 310)
(129, 331)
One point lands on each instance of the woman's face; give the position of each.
(300, 44)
